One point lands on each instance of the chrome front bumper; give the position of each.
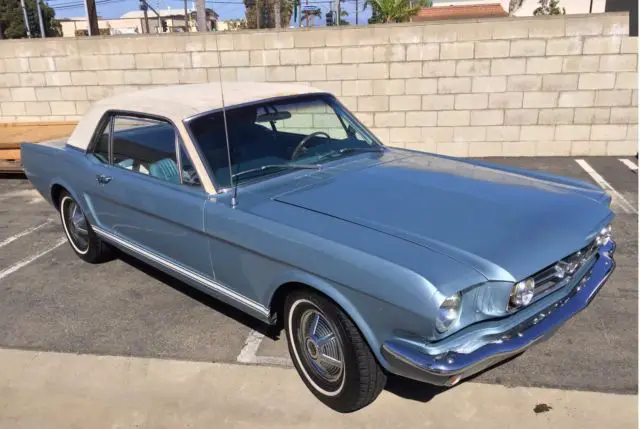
(448, 368)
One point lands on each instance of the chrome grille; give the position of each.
(562, 272)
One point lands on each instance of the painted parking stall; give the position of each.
(52, 301)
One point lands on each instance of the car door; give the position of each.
(146, 193)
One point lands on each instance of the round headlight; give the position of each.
(448, 313)
(522, 293)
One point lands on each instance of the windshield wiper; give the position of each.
(344, 150)
(281, 166)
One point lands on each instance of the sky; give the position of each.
(227, 9)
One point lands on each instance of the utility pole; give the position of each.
(258, 13)
(92, 18)
(26, 18)
(186, 17)
(338, 24)
(276, 11)
(356, 12)
(201, 17)
(42, 33)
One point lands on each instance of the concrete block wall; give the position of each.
(507, 86)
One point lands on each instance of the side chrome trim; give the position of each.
(211, 284)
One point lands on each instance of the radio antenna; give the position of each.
(234, 201)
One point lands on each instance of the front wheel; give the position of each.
(330, 354)
(83, 240)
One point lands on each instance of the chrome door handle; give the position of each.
(102, 179)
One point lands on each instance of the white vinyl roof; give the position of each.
(179, 102)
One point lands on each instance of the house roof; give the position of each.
(178, 102)
(460, 11)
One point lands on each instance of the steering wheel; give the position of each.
(298, 149)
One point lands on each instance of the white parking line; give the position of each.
(251, 345)
(26, 261)
(629, 164)
(25, 232)
(616, 197)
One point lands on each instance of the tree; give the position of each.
(388, 11)
(12, 20)
(267, 13)
(549, 7)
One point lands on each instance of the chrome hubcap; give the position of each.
(320, 345)
(77, 225)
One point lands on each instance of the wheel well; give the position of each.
(279, 297)
(56, 190)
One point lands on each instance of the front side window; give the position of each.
(275, 137)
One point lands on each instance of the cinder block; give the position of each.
(597, 81)
(239, 58)
(62, 107)
(160, 43)
(489, 84)
(505, 100)
(527, 48)
(404, 102)
(13, 108)
(492, 49)
(5, 94)
(82, 107)
(110, 77)
(487, 148)
(564, 46)
(473, 67)
(280, 74)
(389, 53)
(454, 118)
(544, 65)
(616, 97)
(375, 71)
(555, 116)
(58, 78)
(437, 102)
(624, 115)
(619, 62)
(350, 103)
(95, 62)
(357, 87)
(389, 119)
(342, 72)
(42, 64)
(470, 134)
(572, 132)
(320, 55)
(608, 132)
(580, 64)
(164, 77)
(508, 66)
(547, 27)
(626, 80)
(487, 117)
(583, 25)
(150, 61)
(403, 34)
(560, 82)
(405, 135)
(520, 116)
(37, 108)
(177, 60)
(622, 147)
(454, 148)
(437, 134)
(306, 73)
(278, 40)
(376, 103)
(68, 63)
(553, 148)
(421, 86)
(424, 52)
(540, 99)
(16, 65)
(421, 119)
(123, 62)
(10, 80)
(471, 102)
(454, 85)
(536, 132)
(251, 74)
(602, 45)
(421, 146)
(333, 87)
(23, 94)
(390, 86)
(456, 50)
(440, 33)
(361, 54)
(73, 93)
(503, 133)
(309, 39)
(438, 68)
(365, 118)
(295, 56)
(32, 79)
(524, 83)
(592, 115)
(632, 132)
(576, 99)
(629, 45)
(138, 77)
(405, 70)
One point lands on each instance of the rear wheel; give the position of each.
(330, 354)
(83, 240)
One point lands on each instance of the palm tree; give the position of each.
(388, 11)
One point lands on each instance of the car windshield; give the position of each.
(279, 137)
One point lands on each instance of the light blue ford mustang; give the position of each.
(374, 260)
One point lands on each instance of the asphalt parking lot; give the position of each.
(52, 301)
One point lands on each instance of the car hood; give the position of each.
(505, 223)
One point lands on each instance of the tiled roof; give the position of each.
(466, 11)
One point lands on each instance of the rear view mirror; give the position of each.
(276, 116)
